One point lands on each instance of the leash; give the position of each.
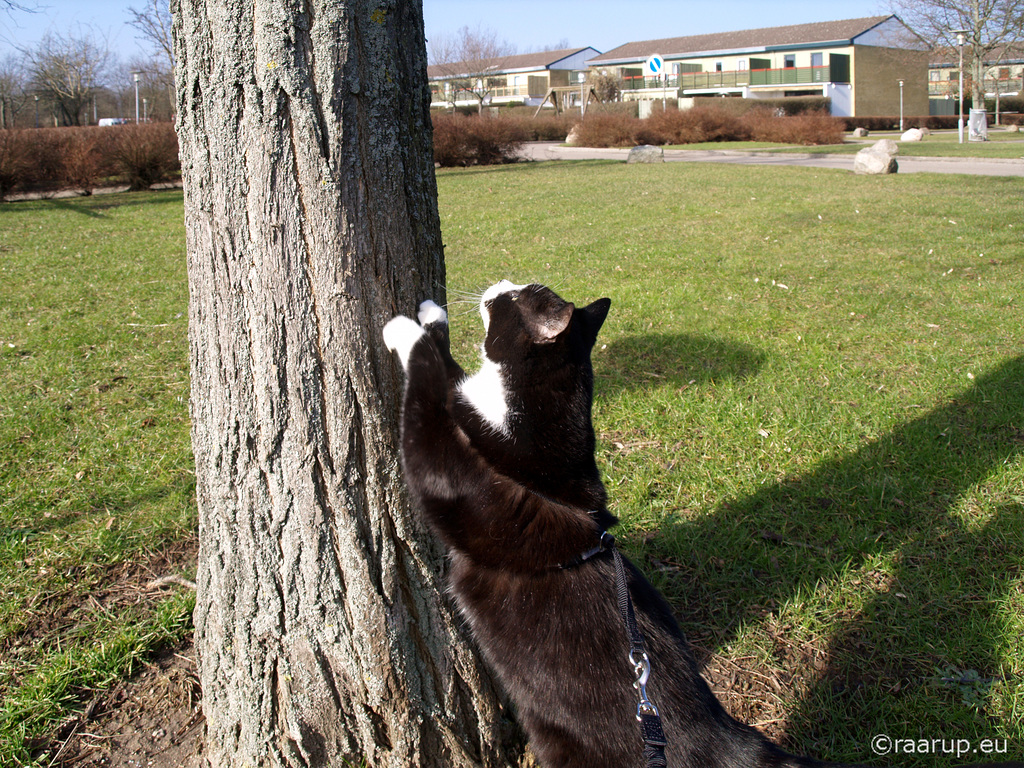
(646, 713)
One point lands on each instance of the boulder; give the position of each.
(860, 133)
(886, 146)
(646, 153)
(1013, 128)
(871, 160)
(573, 139)
(914, 134)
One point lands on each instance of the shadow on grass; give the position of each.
(679, 359)
(930, 575)
(75, 206)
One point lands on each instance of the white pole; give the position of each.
(960, 123)
(136, 76)
(901, 106)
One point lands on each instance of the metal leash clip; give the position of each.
(642, 668)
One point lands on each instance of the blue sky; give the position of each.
(526, 24)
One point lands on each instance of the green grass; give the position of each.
(809, 400)
(95, 470)
(810, 407)
(1001, 145)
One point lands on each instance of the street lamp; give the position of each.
(145, 110)
(135, 76)
(37, 110)
(901, 106)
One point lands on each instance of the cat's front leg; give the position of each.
(435, 322)
(401, 334)
(426, 375)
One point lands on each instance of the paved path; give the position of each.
(552, 150)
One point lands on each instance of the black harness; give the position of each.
(646, 713)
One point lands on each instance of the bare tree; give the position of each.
(311, 218)
(11, 5)
(67, 70)
(14, 90)
(987, 26)
(153, 22)
(469, 60)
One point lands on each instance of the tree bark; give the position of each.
(311, 219)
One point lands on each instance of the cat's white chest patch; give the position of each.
(485, 392)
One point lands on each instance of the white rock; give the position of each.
(885, 146)
(870, 161)
(914, 134)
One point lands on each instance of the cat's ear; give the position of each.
(596, 314)
(547, 327)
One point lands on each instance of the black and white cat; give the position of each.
(502, 464)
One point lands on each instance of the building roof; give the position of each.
(517, 63)
(757, 39)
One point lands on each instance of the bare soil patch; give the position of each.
(153, 720)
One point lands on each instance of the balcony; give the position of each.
(687, 81)
(793, 76)
(499, 93)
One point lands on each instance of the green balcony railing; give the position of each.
(791, 76)
(733, 79)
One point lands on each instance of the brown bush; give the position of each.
(14, 161)
(546, 126)
(46, 150)
(691, 126)
(809, 128)
(86, 159)
(707, 124)
(145, 154)
(461, 140)
(608, 130)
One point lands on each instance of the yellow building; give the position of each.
(518, 79)
(858, 64)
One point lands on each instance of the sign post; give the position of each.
(653, 67)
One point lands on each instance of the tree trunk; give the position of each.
(311, 219)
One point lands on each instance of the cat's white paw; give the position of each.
(400, 335)
(431, 313)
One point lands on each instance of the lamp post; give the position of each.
(145, 110)
(135, 76)
(37, 110)
(901, 106)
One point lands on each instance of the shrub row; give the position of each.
(933, 122)
(476, 140)
(47, 159)
(704, 124)
(790, 105)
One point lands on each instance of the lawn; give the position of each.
(810, 407)
(1001, 145)
(96, 487)
(810, 416)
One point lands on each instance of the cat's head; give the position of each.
(533, 323)
(534, 393)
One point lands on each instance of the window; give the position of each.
(935, 76)
(741, 65)
(789, 61)
(718, 66)
(817, 59)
